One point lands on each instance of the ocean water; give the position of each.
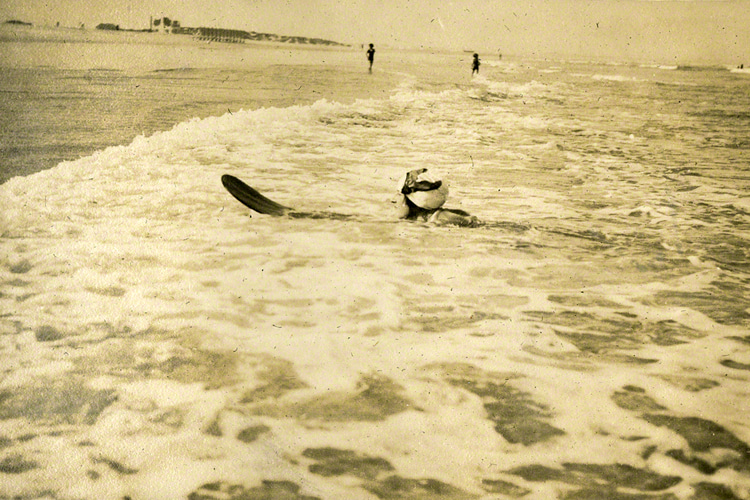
(65, 94)
(589, 340)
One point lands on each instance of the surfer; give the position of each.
(371, 55)
(421, 197)
(475, 65)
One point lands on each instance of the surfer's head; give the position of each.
(423, 189)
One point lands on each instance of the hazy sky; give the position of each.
(644, 30)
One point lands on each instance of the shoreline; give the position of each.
(73, 49)
(21, 33)
(22, 48)
(41, 34)
(123, 85)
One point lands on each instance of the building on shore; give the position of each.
(167, 25)
(164, 24)
(221, 35)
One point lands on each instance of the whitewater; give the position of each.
(589, 340)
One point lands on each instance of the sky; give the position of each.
(664, 31)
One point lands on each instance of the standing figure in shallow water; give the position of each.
(421, 196)
(475, 65)
(371, 55)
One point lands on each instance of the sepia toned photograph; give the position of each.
(375, 250)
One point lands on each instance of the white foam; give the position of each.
(138, 251)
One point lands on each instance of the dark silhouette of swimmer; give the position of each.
(421, 197)
(371, 55)
(475, 64)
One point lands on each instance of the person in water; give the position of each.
(371, 55)
(421, 197)
(475, 65)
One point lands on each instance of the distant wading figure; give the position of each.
(421, 197)
(475, 65)
(371, 56)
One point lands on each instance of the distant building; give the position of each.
(164, 24)
(167, 25)
(108, 26)
(221, 35)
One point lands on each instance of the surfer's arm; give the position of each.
(400, 206)
(453, 217)
(444, 216)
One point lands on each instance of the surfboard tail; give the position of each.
(252, 198)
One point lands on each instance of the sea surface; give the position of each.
(590, 340)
